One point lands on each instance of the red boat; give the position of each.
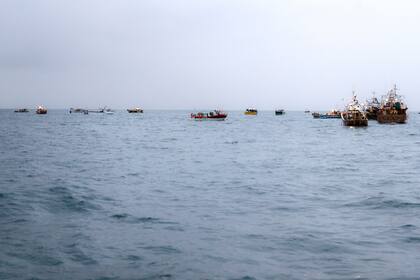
(214, 115)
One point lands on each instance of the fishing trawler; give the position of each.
(372, 108)
(215, 115)
(353, 115)
(23, 110)
(135, 110)
(279, 112)
(251, 111)
(41, 110)
(393, 108)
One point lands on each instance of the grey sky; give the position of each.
(181, 54)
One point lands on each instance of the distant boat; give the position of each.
(108, 111)
(393, 108)
(251, 111)
(79, 110)
(103, 110)
(354, 114)
(215, 115)
(316, 115)
(41, 110)
(307, 111)
(99, 111)
(333, 114)
(135, 110)
(279, 112)
(21, 110)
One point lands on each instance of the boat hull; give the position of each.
(251, 113)
(354, 119)
(22, 111)
(329, 117)
(355, 122)
(41, 112)
(134, 111)
(392, 118)
(210, 119)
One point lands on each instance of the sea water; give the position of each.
(160, 196)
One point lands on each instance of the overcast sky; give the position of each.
(184, 54)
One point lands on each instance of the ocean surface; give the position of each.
(160, 196)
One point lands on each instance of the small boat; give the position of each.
(99, 111)
(279, 112)
(135, 110)
(353, 114)
(393, 108)
(79, 110)
(251, 111)
(21, 110)
(103, 110)
(307, 111)
(215, 115)
(372, 108)
(41, 110)
(333, 114)
(108, 111)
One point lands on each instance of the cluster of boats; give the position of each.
(391, 109)
(220, 115)
(41, 110)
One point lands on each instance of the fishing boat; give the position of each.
(372, 108)
(393, 108)
(135, 110)
(21, 110)
(78, 110)
(103, 110)
(251, 111)
(333, 114)
(108, 111)
(98, 111)
(215, 115)
(41, 110)
(279, 112)
(353, 115)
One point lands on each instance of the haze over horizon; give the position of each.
(185, 54)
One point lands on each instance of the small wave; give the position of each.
(66, 200)
(133, 258)
(119, 216)
(380, 203)
(408, 226)
(159, 276)
(244, 278)
(77, 255)
(138, 220)
(412, 239)
(162, 249)
(231, 142)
